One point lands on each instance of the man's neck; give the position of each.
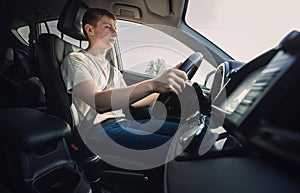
(99, 53)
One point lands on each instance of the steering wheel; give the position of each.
(191, 64)
(171, 100)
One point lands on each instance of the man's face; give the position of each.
(104, 34)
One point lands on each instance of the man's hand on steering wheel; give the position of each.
(172, 80)
(169, 94)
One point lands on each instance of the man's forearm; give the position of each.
(122, 97)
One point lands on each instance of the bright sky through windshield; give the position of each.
(244, 29)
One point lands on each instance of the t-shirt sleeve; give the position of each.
(74, 71)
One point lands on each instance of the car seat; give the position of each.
(18, 80)
(51, 51)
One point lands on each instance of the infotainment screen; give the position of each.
(237, 96)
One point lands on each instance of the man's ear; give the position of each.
(89, 29)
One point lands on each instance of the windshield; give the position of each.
(244, 29)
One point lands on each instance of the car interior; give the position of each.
(238, 131)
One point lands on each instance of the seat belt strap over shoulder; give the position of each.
(110, 81)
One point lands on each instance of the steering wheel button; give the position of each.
(271, 70)
(247, 102)
(241, 109)
(260, 84)
(257, 87)
(252, 94)
(235, 116)
(263, 79)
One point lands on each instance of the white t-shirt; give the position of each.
(81, 66)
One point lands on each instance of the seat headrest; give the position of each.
(69, 21)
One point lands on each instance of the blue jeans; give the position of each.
(138, 135)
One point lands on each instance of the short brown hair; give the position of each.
(92, 16)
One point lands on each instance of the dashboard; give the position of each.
(258, 107)
(255, 99)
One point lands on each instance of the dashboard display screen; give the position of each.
(236, 97)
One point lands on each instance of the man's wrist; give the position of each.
(150, 86)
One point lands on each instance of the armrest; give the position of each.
(28, 129)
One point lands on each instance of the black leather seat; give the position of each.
(19, 80)
(51, 51)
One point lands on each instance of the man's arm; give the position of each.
(172, 80)
(147, 101)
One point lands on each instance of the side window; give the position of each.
(148, 51)
(48, 27)
(23, 32)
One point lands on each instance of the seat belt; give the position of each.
(110, 81)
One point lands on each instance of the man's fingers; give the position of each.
(181, 74)
(172, 80)
(178, 65)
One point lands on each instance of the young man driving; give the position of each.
(99, 90)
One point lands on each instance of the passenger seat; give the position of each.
(19, 82)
